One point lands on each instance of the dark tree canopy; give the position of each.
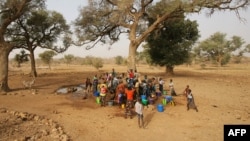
(171, 45)
(39, 28)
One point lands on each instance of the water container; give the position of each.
(144, 101)
(98, 101)
(143, 97)
(160, 108)
(96, 94)
(110, 103)
(158, 94)
(169, 98)
(123, 106)
(151, 101)
(164, 101)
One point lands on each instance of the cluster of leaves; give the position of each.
(171, 45)
(219, 49)
(21, 58)
(47, 57)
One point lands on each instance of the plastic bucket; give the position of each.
(98, 100)
(96, 94)
(143, 97)
(164, 102)
(144, 101)
(169, 98)
(110, 103)
(151, 101)
(160, 108)
(123, 106)
(158, 94)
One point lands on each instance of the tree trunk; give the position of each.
(4, 65)
(132, 56)
(33, 64)
(170, 70)
(219, 60)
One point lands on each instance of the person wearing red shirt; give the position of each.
(129, 93)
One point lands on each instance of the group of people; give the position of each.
(127, 90)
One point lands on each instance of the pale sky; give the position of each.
(224, 22)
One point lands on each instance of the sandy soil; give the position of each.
(222, 96)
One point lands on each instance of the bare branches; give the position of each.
(120, 16)
(216, 5)
(4, 10)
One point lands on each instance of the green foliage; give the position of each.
(225, 60)
(219, 49)
(21, 58)
(47, 57)
(119, 60)
(40, 28)
(97, 63)
(105, 20)
(69, 58)
(171, 45)
(88, 60)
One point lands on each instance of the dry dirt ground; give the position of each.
(221, 95)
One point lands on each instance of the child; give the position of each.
(103, 92)
(171, 88)
(88, 85)
(190, 101)
(139, 112)
(185, 92)
(161, 83)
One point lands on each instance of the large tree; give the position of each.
(105, 20)
(10, 11)
(219, 49)
(171, 45)
(40, 28)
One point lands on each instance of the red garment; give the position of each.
(130, 94)
(131, 75)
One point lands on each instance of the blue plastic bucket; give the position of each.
(96, 94)
(169, 98)
(160, 108)
(143, 97)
